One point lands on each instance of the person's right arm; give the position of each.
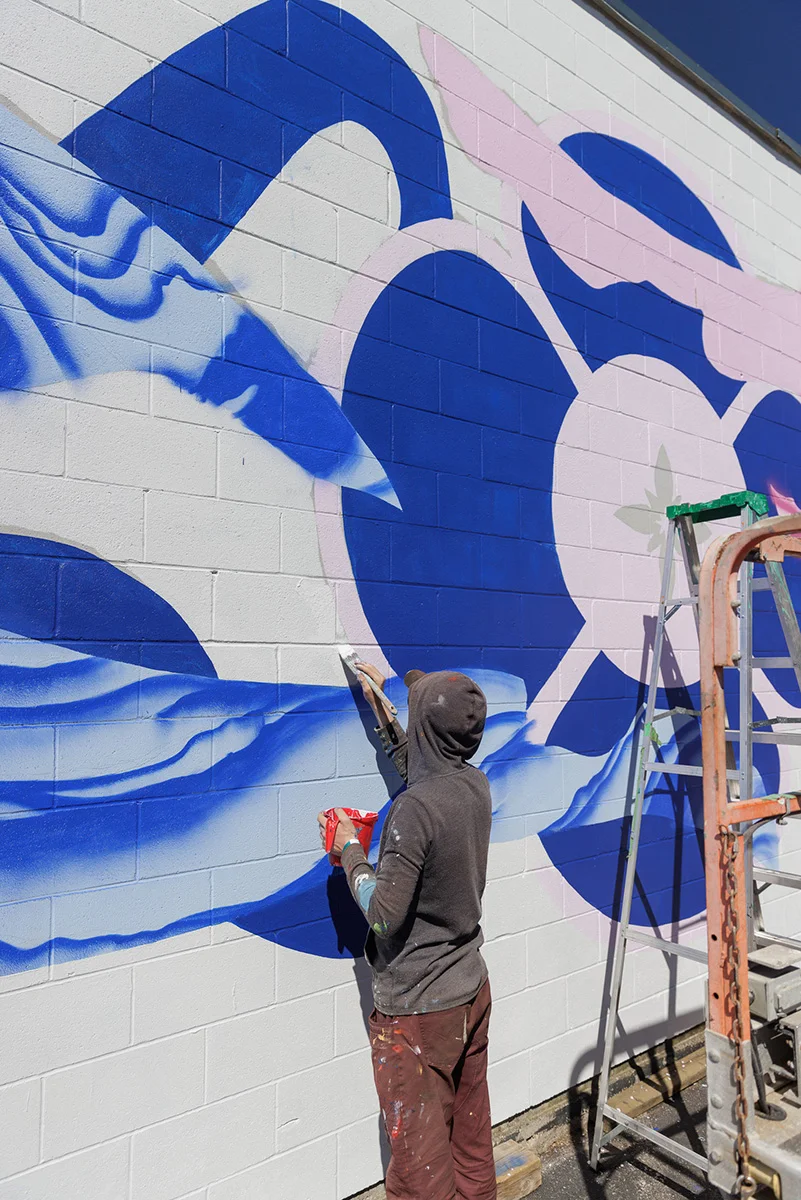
(390, 732)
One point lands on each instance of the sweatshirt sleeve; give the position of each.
(395, 745)
(386, 894)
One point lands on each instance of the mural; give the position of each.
(517, 412)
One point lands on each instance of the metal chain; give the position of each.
(730, 844)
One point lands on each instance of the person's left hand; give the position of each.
(345, 830)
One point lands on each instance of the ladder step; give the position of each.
(677, 948)
(760, 584)
(773, 739)
(776, 939)
(781, 878)
(675, 712)
(772, 736)
(673, 768)
(674, 1148)
(682, 769)
(730, 505)
(768, 737)
(772, 664)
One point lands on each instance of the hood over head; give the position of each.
(447, 711)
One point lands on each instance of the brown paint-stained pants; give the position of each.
(431, 1077)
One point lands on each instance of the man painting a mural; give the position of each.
(405, 324)
(429, 1028)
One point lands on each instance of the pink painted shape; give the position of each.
(559, 193)
(784, 505)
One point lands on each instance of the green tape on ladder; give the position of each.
(730, 505)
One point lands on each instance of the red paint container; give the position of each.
(363, 821)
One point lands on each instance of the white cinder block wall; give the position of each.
(552, 290)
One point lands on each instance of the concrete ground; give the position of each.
(634, 1169)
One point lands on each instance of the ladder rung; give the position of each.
(776, 939)
(777, 739)
(675, 712)
(677, 948)
(767, 737)
(682, 600)
(682, 769)
(674, 768)
(760, 584)
(769, 664)
(675, 1148)
(781, 878)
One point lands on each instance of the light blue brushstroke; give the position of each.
(172, 801)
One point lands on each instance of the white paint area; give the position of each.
(639, 437)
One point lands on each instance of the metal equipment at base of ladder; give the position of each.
(755, 982)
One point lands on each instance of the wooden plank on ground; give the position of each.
(518, 1171)
(673, 1078)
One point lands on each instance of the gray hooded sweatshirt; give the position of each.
(423, 901)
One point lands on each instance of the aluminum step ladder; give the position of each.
(682, 519)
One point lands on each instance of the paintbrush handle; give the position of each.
(385, 699)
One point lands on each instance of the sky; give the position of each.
(750, 46)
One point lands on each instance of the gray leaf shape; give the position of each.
(663, 478)
(640, 518)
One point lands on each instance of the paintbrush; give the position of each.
(351, 659)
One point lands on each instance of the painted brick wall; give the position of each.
(397, 324)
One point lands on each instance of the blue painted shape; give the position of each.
(454, 384)
(67, 850)
(633, 175)
(52, 591)
(590, 850)
(627, 318)
(315, 914)
(430, 560)
(140, 302)
(27, 755)
(184, 788)
(669, 867)
(501, 401)
(417, 442)
(130, 910)
(453, 525)
(600, 710)
(12, 354)
(160, 816)
(292, 68)
(386, 367)
(510, 1163)
(175, 103)
(321, 39)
